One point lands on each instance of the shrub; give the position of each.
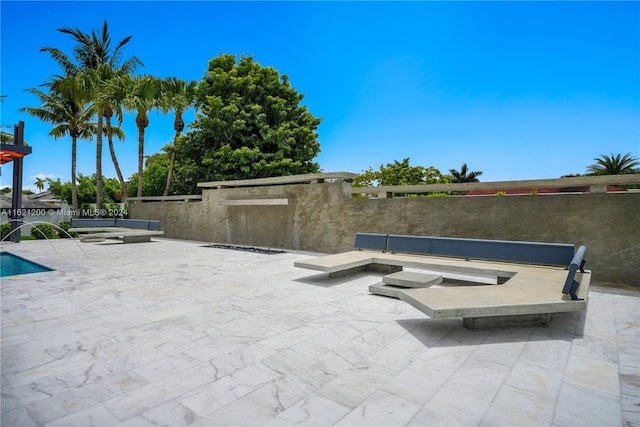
(5, 230)
(42, 231)
(65, 235)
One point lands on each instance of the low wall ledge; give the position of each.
(254, 202)
(280, 180)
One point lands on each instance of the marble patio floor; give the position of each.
(172, 333)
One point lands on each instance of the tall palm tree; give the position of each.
(465, 175)
(613, 165)
(108, 98)
(142, 96)
(68, 111)
(178, 95)
(93, 52)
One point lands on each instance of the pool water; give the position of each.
(11, 265)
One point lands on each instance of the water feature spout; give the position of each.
(34, 225)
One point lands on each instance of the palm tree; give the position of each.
(93, 52)
(68, 111)
(108, 98)
(39, 184)
(142, 96)
(464, 175)
(613, 165)
(6, 137)
(178, 95)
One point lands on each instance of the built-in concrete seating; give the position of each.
(533, 277)
(129, 230)
(393, 283)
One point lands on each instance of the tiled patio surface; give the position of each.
(173, 333)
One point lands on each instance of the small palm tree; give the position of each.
(613, 165)
(6, 137)
(464, 175)
(178, 95)
(39, 184)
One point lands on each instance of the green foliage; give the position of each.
(5, 230)
(154, 176)
(42, 231)
(400, 173)
(66, 226)
(86, 187)
(5, 190)
(614, 165)
(500, 193)
(249, 125)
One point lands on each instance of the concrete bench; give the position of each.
(533, 284)
(527, 299)
(126, 234)
(139, 224)
(129, 230)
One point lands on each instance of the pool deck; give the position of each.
(174, 333)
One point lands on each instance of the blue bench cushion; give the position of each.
(577, 263)
(142, 224)
(371, 241)
(93, 222)
(495, 250)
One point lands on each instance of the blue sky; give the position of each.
(518, 90)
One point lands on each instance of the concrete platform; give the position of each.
(183, 335)
(412, 279)
(127, 235)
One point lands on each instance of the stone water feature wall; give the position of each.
(324, 218)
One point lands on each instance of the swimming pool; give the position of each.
(11, 265)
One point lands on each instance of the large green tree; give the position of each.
(399, 173)
(250, 124)
(616, 164)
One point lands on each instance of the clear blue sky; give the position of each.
(519, 90)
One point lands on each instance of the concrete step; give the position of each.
(410, 279)
(385, 290)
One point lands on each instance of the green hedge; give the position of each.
(42, 231)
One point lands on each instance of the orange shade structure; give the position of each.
(10, 152)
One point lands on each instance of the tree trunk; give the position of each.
(178, 126)
(112, 150)
(99, 195)
(140, 158)
(172, 165)
(74, 189)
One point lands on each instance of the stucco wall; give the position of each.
(324, 218)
